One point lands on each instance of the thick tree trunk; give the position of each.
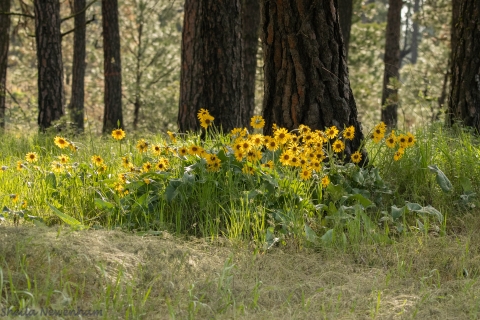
(76, 105)
(4, 42)
(306, 74)
(392, 63)
(112, 67)
(212, 66)
(49, 62)
(415, 31)
(250, 29)
(464, 103)
(345, 11)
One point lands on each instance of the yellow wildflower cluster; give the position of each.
(205, 118)
(402, 141)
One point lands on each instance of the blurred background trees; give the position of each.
(150, 33)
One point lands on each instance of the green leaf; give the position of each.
(413, 206)
(171, 190)
(102, 204)
(310, 235)
(6, 209)
(466, 184)
(328, 237)
(432, 211)
(361, 199)
(398, 212)
(442, 179)
(51, 180)
(336, 191)
(358, 177)
(72, 222)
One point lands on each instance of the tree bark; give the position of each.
(112, 115)
(49, 62)
(250, 30)
(212, 65)
(306, 74)
(76, 106)
(392, 63)
(345, 11)
(4, 43)
(464, 103)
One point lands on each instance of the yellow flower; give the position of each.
(325, 181)
(142, 145)
(254, 155)
(239, 155)
(349, 133)
(172, 136)
(156, 149)
(195, 150)
(391, 141)
(257, 140)
(31, 157)
(294, 161)
(183, 151)
(61, 142)
(257, 122)
(24, 204)
(211, 158)
(338, 146)
(238, 132)
(122, 177)
(285, 157)
(97, 160)
(126, 162)
(57, 167)
(162, 164)
(146, 166)
(118, 134)
(14, 198)
(403, 141)
(268, 165)
(398, 154)
(282, 136)
(316, 165)
(331, 132)
(202, 113)
(305, 174)
(102, 168)
(271, 143)
(246, 145)
(147, 180)
(20, 165)
(63, 159)
(303, 129)
(214, 166)
(248, 169)
(356, 157)
(377, 136)
(410, 139)
(206, 121)
(72, 147)
(293, 147)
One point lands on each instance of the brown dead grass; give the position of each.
(419, 277)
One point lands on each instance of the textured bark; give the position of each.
(464, 103)
(345, 11)
(415, 31)
(4, 42)
(392, 63)
(306, 74)
(76, 106)
(250, 30)
(49, 62)
(112, 67)
(212, 66)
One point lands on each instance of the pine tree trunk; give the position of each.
(250, 29)
(76, 105)
(212, 65)
(464, 103)
(4, 42)
(392, 63)
(306, 74)
(49, 62)
(345, 11)
(112, 67)
(415, 31)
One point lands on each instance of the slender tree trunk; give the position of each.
(415, 31)
(138, 73)
(306, 74)
(464, 103)
(4, 42)
(345, 11)
(212, 66)
(76, 105)
(392, 63)
(49, 62)
(112, 66)
(250, 29)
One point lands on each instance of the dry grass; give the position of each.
(423, 277)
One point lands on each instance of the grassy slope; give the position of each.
(156, 277)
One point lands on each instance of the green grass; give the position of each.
(394, 239)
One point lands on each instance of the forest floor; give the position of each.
(159, 276)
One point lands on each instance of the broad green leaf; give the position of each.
(413, 206)
(432, 211)
(442, 179)
(397, 212)
(328, 237)
(358, 177)
(6, 209)
(335, 191)
(72, 222)
(466, 184)
(361, 199)
(310, 235)
(102, 204)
